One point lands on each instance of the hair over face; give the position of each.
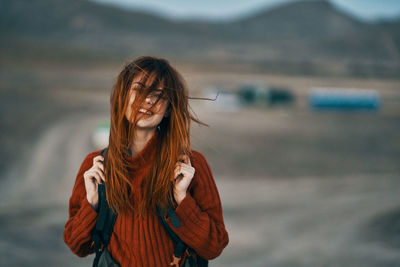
(173, 136)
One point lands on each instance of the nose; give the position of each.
(149, 100)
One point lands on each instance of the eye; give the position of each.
(138, 88)
(158, 96)
(155, 97)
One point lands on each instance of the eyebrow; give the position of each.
(139, 83)
(160, 89)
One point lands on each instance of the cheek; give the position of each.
(131, 96)
(161, 108)
(164, 109)
(130, 103)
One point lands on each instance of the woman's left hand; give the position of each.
(184, 173)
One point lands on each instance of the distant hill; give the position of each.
(314, 23)
(392, 29)
(52, 17)
(305, 37)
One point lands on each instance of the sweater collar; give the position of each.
(146, 155)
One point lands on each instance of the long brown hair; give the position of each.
(173, 136)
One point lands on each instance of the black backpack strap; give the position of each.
(180, 247)
(102, 232)
(106, 218)
(174, 218)
(193, 259)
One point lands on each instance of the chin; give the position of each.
(148, 124)
(145, 127)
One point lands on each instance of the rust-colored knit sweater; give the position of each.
(143, 242)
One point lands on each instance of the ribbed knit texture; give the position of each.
(143, 242)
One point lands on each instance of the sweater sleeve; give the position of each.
(200, 213)
(82, 217)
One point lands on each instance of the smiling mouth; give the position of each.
(145, 112)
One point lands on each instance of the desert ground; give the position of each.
(298, 187)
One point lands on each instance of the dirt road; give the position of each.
(301, 221)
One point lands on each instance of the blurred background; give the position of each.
(303, 139)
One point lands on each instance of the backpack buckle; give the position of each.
(175, 261)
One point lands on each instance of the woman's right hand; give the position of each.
(93, 177)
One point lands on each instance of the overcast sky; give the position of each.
(226, 9)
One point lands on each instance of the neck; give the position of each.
(141, 139)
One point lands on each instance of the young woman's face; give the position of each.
(151, 112)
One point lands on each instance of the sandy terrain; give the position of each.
(298, 188)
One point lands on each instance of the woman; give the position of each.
(148, 163)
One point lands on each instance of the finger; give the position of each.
(97, 158)
(92, 176)
(89, 174)
(96, 176)
(100, 165)
(182, 166)
(187, 169)
(177, 169)
(177, 172)
(178, 178)
(101, 174)
(187, 173)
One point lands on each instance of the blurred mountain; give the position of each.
(392, 28)
(313, 25)
(304, 37)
